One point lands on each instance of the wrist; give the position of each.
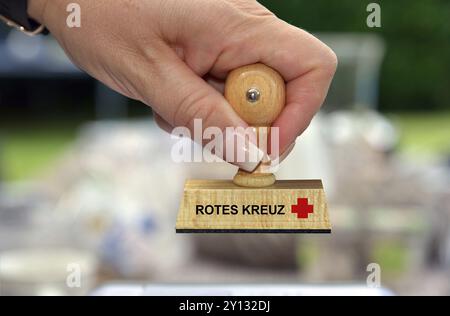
(36, 10)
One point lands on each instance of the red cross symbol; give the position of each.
(303, 208)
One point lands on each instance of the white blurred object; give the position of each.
(121, 185)
(45, 271)
(344, 127)
(239, 290)
(311, 157)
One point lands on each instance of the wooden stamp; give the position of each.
(254, 202)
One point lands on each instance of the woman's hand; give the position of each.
(174, 55)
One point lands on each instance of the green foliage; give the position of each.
(423, 133)
(392, 257)
(415, 74)
(29, 149)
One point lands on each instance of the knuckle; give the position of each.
(193, 106)
(329, 60)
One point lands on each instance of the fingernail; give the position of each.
(241, 151)
(283, 156)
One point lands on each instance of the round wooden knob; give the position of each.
(257, 93)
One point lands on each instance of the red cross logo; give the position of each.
(302, 208)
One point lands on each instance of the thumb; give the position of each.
(180, 97)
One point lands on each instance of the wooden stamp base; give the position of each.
(220, 206)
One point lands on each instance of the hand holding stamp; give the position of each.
(254, 202)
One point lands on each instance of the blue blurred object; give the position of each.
(34, 57)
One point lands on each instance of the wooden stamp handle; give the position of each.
(258, 94)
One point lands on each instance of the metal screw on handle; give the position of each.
(253, 95)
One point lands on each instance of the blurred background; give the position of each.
(86, 177)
